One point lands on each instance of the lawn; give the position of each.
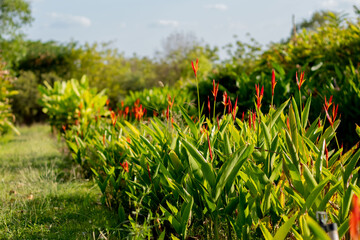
(42, 195)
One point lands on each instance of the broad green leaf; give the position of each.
(349, 168)
(285, 228)
(277, 113)
(317, 230)
(310, 200)
(205, 166)
(319, 162)
(265, 231)
(190, 123)
(230, 169)
(305, 113)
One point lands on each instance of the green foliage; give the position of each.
(14, 14)
(262, 177)
(6, 86)
(68, 103)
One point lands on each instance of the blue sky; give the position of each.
(139, 26)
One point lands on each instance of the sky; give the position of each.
(141, 26)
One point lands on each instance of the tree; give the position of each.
(14, 14)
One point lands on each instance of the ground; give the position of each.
(42, 195)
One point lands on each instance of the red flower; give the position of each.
(208, 104)
(171, 103)
(234, 110)
(288, 123)
(211, 156)
(113, 118)
(225, 96)
(334, 114)
(230, 105)
(259, 95)
(254, 119)
(355, 218)
(273, 83)
(328, 104)
(139, 112)
(104, 139)
(125, 166)
(299, 83)
(64, 127)
(195, 67)
(107, 102)
(215, 89)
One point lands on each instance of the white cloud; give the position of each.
(167, 23)
(65, 20)
(330, 3)
(218, 6)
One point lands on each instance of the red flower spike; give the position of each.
(254, 119)
(328, 104)
(234, 109)
(139, 112)
(113, 118)
(327, 156)
(64, 127)
(171, 103)
(273, 82)
(211, 156)
(215, 89)
(259, 95)
(288, 123)
(355, 218)
(225, 97)
(103, 139)
(242, 117)
(299, 83)
(335, 110)
(107, 102)
(167, 113)
(122, 104)
(208, 104)
(230, 105)
(195, 67)
(250, 114)
(125, 166)
(319, 123)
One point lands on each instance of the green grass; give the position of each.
(41, 195)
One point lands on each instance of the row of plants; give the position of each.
(265, 174)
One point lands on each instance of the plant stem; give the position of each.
(214, 109)
(216, 229)
(229, 229)
(198, 96)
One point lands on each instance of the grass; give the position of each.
(42, 195)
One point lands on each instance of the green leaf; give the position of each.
(317, 230)
(305, 113)
(230, 169)
(190, 123)
(315, 193)
(265, 231)
(205, 166)
(349, 168)
(357, 129)
(319, 162)
(277, 113)
(285, 228)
